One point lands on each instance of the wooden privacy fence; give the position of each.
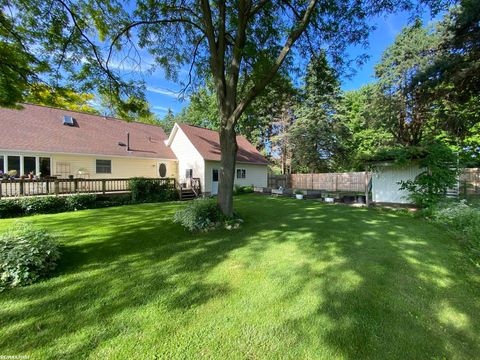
(470, 181)
(27, 187)
(277, 181)
(350, 181)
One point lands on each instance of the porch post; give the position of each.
(37, 165)
(22, 170)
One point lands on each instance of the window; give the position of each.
(2, 170)
(188, 173)
(14, 164)
(215, 175)
(162, 170)
(241, 174)
(45, 166)
(104, 166)
(28, 165)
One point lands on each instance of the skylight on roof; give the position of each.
(68, 120)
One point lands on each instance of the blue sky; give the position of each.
(163, 94)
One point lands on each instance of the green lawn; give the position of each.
(298, 280)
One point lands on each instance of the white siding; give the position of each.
(188, 156)
(385, 183)
(255, 175)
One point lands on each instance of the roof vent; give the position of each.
(68, 120)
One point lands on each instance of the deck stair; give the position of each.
(187, 194)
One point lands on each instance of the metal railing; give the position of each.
(28, 187)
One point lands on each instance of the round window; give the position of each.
(162, 170)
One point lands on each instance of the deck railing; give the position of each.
(27, 187)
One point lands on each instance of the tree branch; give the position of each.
(292, 38)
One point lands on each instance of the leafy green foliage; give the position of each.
(199, 215)
(62, 98)
(239, 190)
(463, 219)
(80, 202)
(312, 135)
(55, 204)
(151, 190)
(441, 171)
(27, 254)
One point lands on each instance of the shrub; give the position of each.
(151, 190)
(199, 215)
(43, 205)
(81, 202)
(10, 208)
(26, 255)
(461, 218)
(429, 187)
(238, 190)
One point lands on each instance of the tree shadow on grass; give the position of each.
(132, 262)
(384, 286)
(393, 288)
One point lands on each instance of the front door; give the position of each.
(214, 181)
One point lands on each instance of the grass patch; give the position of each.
(297, 280)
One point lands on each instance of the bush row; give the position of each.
(55, 204)
(142, 190)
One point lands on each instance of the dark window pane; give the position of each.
(14, 164)
(104, 166)
(241, 173)
(28, 165)
(2, 170)
(162, 170)
(215, 175)
(45, 166)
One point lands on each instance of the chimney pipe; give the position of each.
(128, 141)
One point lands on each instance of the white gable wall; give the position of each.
(385, 183)
(256, 175)
(188, 156)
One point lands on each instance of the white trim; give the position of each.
(169, 141)
(49, 154)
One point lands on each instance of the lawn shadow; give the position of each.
(391, 290)
(386, 286)
(133, 263)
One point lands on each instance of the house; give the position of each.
(48, 141)
(198, 153)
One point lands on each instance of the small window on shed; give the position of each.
(104, 166)
(189, 173)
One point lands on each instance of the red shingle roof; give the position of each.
(40, 128)
(207, 142)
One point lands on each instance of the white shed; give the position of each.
(386, 180)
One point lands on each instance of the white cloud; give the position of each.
(161, 91)
(157, 108)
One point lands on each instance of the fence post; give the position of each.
(21, 186)
(57, 187)
(104, 186)
(367, 200)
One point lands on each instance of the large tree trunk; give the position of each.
(228, 146)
